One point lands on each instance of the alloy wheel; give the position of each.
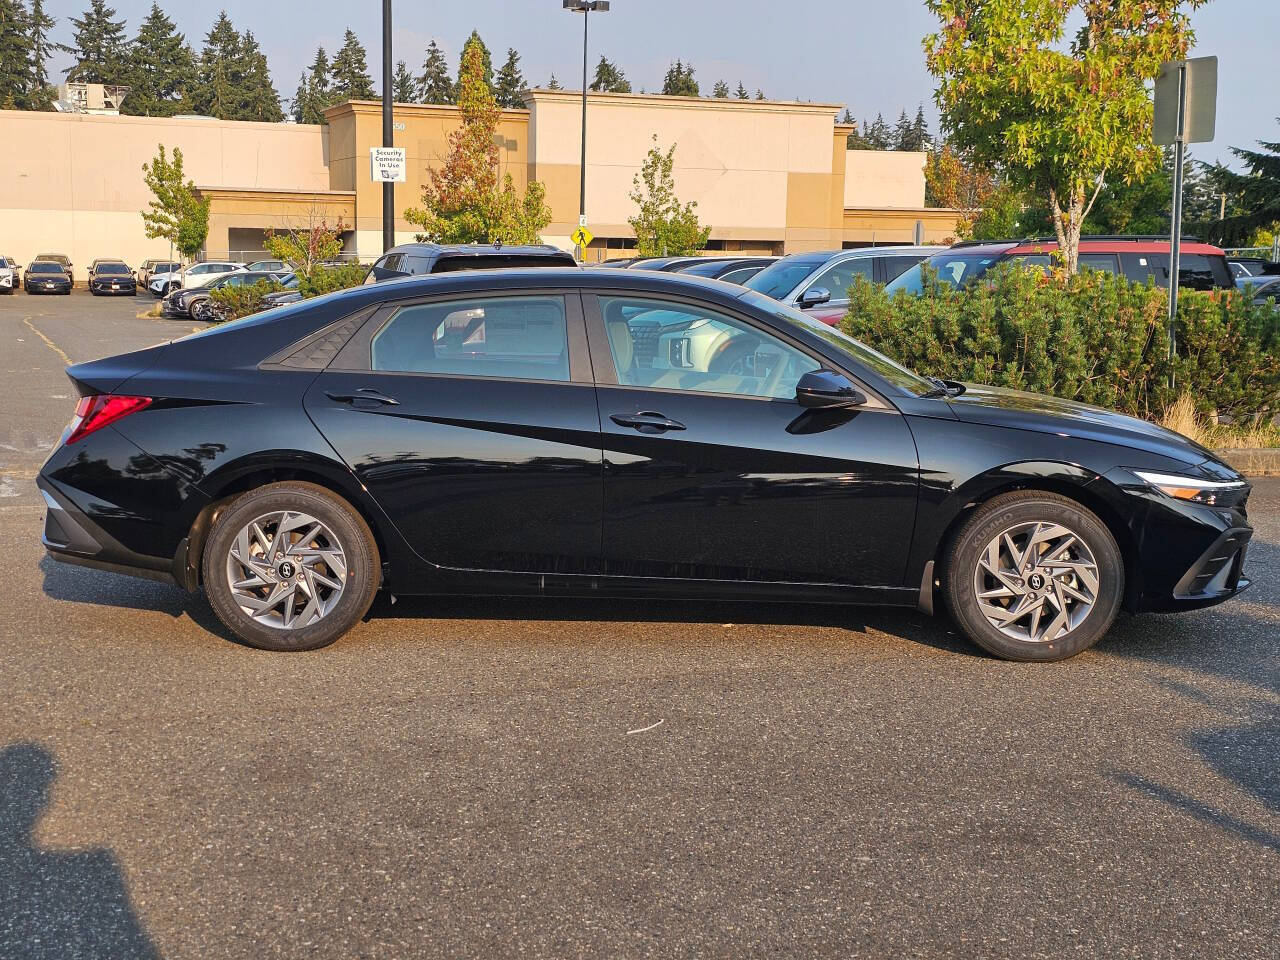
(1036, 582)
(286, 569)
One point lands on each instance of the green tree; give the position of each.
(313, 94)
(161, 69)
(720, 90)
(741, 92)
(900, 138)
(99, 47)
(176, 212)
(257, 98)
(216, 92)
(679, 81)
(403, 87)
(15, 65)
(464, 201)
(609, 78)
(553, 83)
(1055, 118)
(878, 136)
(306, 246)
(39, 25)
(920, 139)
(759, 94)
(434, 85)
(510, 82)
(350, 72)
(475, 41)
(663, 226)
(854, 140)
(1255, 195)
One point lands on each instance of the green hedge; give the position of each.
(1093, 337)
(329, 279)
(232, 303)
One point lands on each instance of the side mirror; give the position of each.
(814, 296)
(828, 390)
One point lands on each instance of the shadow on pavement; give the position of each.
(63, 904)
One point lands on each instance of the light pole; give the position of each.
(388, 133)
(584, 7)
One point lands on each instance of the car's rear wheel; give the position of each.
(290, 566)
(1034, 576)
(202, 310)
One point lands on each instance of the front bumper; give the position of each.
(117, 288)
(48, 286)
(170, 307)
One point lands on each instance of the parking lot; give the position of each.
(606, 779)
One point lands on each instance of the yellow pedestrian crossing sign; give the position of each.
(582, 237)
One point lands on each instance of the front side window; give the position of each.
(520, 338)
(658, 344)
(782, 276)
(838, 278)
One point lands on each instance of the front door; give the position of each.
(472, 421)
(714, 471)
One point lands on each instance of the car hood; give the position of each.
(1044, 414)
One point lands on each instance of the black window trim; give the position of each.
(607, 373)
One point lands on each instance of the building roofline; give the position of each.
(663, 100)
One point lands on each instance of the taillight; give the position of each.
(95, 412)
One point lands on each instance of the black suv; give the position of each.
(413, 259)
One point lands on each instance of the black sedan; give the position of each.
(112, 278)
(46, 276)
(624, 433)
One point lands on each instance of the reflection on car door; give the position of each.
(714, 471)
(472, 421)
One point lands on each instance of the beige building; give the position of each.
(767, 176)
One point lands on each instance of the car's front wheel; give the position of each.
(290, 566)
(1034, 576)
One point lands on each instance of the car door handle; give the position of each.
(363, 393)
(646, 421)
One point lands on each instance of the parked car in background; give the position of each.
(166, 278)
(187, 301)
(270, 266)
(1201, 265)
(818, 283)
(112, 277)
(152, 268)
(1262, 289)
(567, 432)
(662, 264)
(289, 294)
(9, 275)
(61, 258)
(1242, 268)
(201, 274)
(416, 259)
(729, 269)
(46, 276)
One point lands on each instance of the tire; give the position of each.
(1077, 585)
(201, 310)
(298, 507)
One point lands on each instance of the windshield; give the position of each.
(45, 267)
(957, 269)
(112, 269)
(894, 373)
(781, 278)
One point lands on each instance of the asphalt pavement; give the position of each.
(474, 778)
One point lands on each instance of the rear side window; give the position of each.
(520, 338)
(448, 264)
(896, 266)
(837, 278)
(1102, 262)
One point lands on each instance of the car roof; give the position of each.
(855, 253)
(476, 249)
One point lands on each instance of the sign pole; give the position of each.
(1175, 240)
(388, 134)
(582, 163)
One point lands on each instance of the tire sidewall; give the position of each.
(363, 566)
(1002, 514)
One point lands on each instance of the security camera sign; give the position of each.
(387, 164)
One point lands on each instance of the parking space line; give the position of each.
(47, 342)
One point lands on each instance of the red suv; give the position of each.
(1201, 266)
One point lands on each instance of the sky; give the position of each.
(865, 54)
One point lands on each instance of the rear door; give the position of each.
(472, 420)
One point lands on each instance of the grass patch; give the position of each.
(1181, 417)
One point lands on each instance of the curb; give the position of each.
(1264, 462)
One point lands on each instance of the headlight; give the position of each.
(1193, 489)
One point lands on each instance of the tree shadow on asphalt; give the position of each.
(57, 903)
(1226, 643)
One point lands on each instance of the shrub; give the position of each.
(329, 279)
(231, 303)
(1093, 337)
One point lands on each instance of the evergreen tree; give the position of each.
(854, 141)
(403, 88)
(313, 91)
(216, 92)
(609, 78)
(720, 91)
(759, 94)
(161, 69)
(434, 86)
(878, 135)
(99, 46)
(741, 92)
(1255, 194)
(351, 80)
(301, 99)
(510, 82)
(257, 98)
(920, 139)
(15, 67)
(679, 81)
(486, 59)
(39, 25)
(901, 136)
(553, 83)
